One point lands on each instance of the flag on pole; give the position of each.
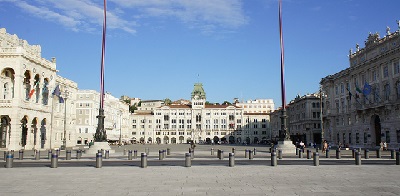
(367, 89)
(33, 89)
(57, 91)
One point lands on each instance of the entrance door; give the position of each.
(3, 132)
(376, 121)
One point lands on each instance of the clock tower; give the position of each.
(198, 96)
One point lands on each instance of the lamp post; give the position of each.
(66, 94)
(120, 128)
(321, 119)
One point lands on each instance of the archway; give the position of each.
(216, 139)
(231, 139)
(24, 131)
(166, 139)
(34, 130)
(158, 140)
(376, 125)
(255, 140)
(173, 140)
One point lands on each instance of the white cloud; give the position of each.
(86, 15)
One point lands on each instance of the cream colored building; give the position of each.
(257, 106)
(31, 116)
(199, 122)
(363, 101)
(116, 119)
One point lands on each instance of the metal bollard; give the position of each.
(308, 154)
(358, 158)
(231, 159)
(251, 155)
(280, 154)
(212, 151)
(353, 153)
(297, 151)
(188, 160)
(143, 160)
(366, 154)
(397, 158)
(54, 160)
(160, 154)
(221, 156)
(37, 155)
(300, 153)
(168, 151)
(219, 153)
(338, 155)
(124, 151)
(378, 153)
(255, 151)
(21, 154)
(274, 162)
(327, 154)
(316, 158)
(9, 160)
(130, 155)
(246, 152)
(68, 155)
(233, 150)
(135, 154)
(107, 154)
(99, 160)
(49, 154)
(392, 151)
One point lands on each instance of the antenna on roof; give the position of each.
(198, 78)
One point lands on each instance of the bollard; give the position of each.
(188, 160)
(168, 151)
(300, 154)
(338, 155)
(9, 160)
(221, 156)
(160, 154)
(124, 151)
(54, 160)
(255, 151)
(130, 155)
(68, 155)
(353, 153)
(233, 150)
(143, 160)
(135, 154)
(280, 154)
(21, 154)
(49, 154)
(392, 154)
(274, 162)
(246, 153)
(358, 158)
(99, 159)
(219, 153)
(316, 158)
(366, 154)
(107, 154)
(308, 154)
(297, 151)
(192, 154)
(231, 159)
(327, 153)
(5, 154)
(212, 151)
(37, 155)
(251, 155)
(378, 153)
(397, 158)
(58, 152)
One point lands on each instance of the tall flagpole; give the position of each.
(100, 135)
(284, 131)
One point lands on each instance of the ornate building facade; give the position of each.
(363, 101)
(199, 122)
(31, 109)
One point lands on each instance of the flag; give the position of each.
(33, 89)
(60, 99)
(57, 91)
(367, 89)
(358, 89)
(349, 93)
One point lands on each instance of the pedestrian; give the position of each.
(325, 146)
(384, 146)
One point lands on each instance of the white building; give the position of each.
(116, 114)
(199, 122)
(31, 116)
(257, 106)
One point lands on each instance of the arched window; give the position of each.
(45, 92)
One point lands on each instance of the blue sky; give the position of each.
(158, 49)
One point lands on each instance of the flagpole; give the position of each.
(100, 135)
(285, 133)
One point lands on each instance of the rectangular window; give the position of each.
(398, 136)
(387, 137)
(396, 67)
(385, 71)
(357, 138)
(365, 138)
(350, 138)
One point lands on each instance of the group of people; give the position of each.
(383, 146)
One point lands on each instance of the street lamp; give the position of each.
(120, 128)
(322, 122)
(66, 94)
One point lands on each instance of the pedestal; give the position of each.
(287, 147)
(99, 146)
